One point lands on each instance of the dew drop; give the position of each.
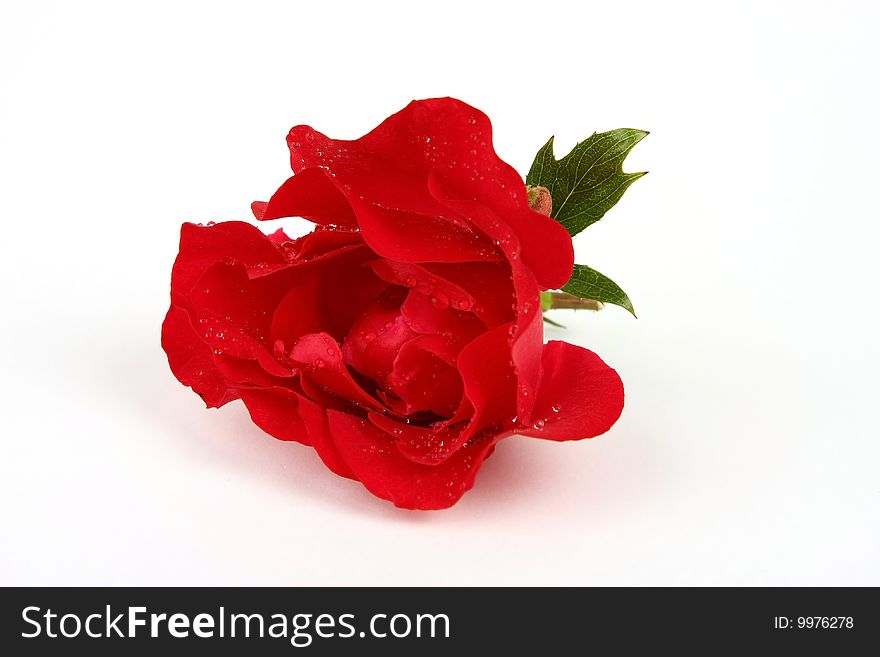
(462, 304)
(555, 408)
(369, 337)
(319, 363)
(329, 351)
(410, 281)
(538, 425)
(440, 300)
(211, 223)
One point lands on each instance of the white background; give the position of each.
(749, 449)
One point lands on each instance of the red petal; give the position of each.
(489, 380)
(427, 317)
(375, 340)
(326, 296)
(300, 311)
(487, 283)
(277, 413)
(243, 373)
(310, 194)
(425, 445)
(391, 164)
(580, 396)
(322, 362)
(442, 292)
(526, 337)
(412, 237)
(279, 237)
(192, 361)
(423, 376)
(374, 460)
(324, 242)
(234, 313)
(202, 246)
(315, 418)
(259, 209)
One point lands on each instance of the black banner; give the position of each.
(319, 621)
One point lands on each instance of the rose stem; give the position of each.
(566, 300)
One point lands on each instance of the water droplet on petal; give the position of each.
(555, 408)
(538, 425)
(410, 281)
(319, 363)
(440, 300)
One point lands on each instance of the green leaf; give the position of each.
(587, 283)
(587, 182)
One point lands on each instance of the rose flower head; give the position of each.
(403, 337)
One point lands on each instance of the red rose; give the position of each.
(403, 337)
